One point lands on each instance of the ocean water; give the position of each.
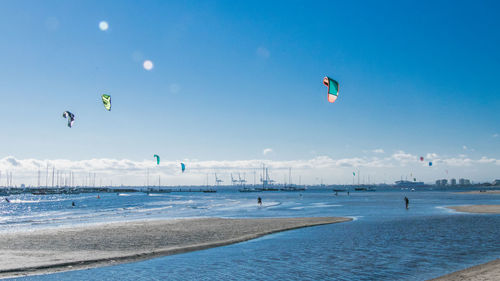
(383, 242)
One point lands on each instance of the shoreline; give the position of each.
(477, 209)
(485, 271)
(65, 249)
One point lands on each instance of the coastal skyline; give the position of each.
(235, 85)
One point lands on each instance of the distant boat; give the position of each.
(365, 188)
(267, 182)
(410, 184)
(247, 189)
(293, 188)
(38, 193)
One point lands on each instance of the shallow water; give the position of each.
(384, 242)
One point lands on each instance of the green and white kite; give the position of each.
(106, 101)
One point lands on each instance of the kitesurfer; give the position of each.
(259, 201)
(407, 202)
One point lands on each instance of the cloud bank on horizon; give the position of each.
(311, 171)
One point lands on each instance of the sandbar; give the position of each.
(480, 192)
(71, 248)
(482, 272)
(478, 209)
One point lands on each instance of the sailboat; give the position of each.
(291, 187)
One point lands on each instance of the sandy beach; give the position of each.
(482, 272)
(63, 249)
(480, 192)
(478, 209)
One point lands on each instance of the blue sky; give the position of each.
(233, 78)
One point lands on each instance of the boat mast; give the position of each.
(47, 176)
(290, 176)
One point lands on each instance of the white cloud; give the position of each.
(378, 150)
(103, 25)
(431, 156)
(130, 172)
(266, 151)
(263, 52)
(403, 157)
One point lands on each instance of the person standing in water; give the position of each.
(259, 201)
(407, 202)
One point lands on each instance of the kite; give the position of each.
(106, 101)
(430, 164)
(421, 158)
(333, 89)
(353, 173)
(183, 167)
(70, 116)
(157, 159)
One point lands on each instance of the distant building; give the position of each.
(464, 182)
(496, 182)
(442, 182)
(453, 182)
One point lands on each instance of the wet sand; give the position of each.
(63, 249)
(480, 192)
(482, 272)
(478, 209)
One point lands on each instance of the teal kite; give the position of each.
(106, 101)
(333, 89)
(183, 167)
(157, 159)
